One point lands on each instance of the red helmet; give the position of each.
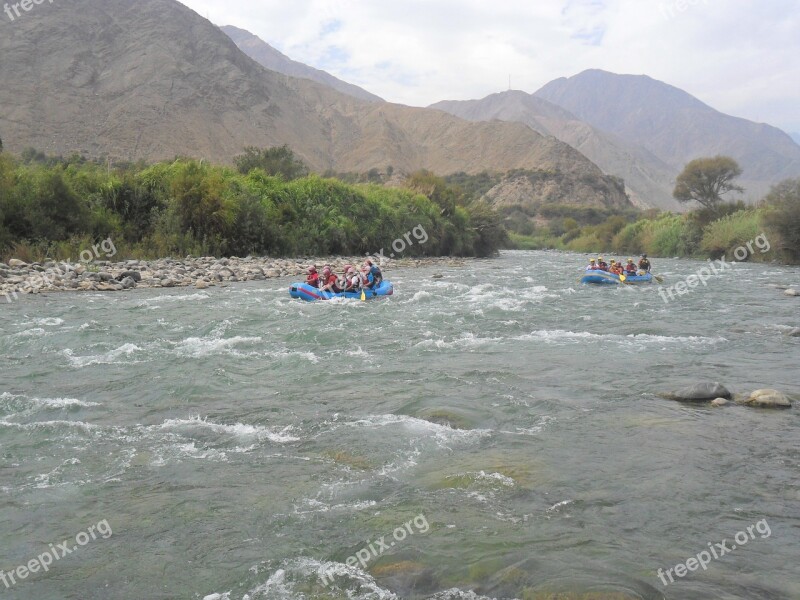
(312, 269)
(326, 271)
(348, 268)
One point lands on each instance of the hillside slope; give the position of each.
(270, 58)
(675, 126)
(153, 80)
(648, 179)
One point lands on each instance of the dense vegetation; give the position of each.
(704, 233)
(50, 206)
(269, 204)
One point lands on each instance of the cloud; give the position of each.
(739, 56)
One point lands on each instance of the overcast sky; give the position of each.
(740, 56)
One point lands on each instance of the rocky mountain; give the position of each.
(675, 126)
(152, 80)
(649, 180)
(267, 56)
(796, 136)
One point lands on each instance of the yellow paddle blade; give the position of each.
(622, 277)
(363, 296)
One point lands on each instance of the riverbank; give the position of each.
(18, 277)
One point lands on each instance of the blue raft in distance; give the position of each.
(604, 277)
(303, 291)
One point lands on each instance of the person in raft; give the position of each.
(375, 271)
(312, 278)
(592, 265)
(601, 264)
(367, 278)
(630, 268)
(330, 282)
(644, 264)
(352, 281)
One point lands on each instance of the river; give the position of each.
(234, 443)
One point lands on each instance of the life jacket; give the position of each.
(375, 271)
(630, 269)
(644, 264)
(352, 283)
(592, 267)
(367, 280)
(313, 279)
(602, 266)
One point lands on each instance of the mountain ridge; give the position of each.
(156, 80)
(648, 112)
(274, 60)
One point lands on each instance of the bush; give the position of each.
(724, 235)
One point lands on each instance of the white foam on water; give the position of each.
(558, 505)
(88, 427)
(200, 347)
(35, 332)
(239, 430)
(577, 337)
(458, 594)
(466, 341)
(121, 355)
(422, 428)
(316, 506)
(46, 322)
(294, 577)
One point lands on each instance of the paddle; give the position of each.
(658, 278)
(622, 278)
(363, 295)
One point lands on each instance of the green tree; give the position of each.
(706, 180)
(782, 216)
(274, 161)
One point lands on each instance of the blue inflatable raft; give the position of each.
(303, 291)
(604, 277)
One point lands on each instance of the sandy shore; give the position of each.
(18, 277)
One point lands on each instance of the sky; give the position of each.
(739, 56)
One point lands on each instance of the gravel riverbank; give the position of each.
(18, 277)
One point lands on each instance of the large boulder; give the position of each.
(15, 263)
(700, 392)
(768, 399)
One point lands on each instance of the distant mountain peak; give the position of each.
(274, 60)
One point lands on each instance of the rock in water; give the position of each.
(768, 399)
(201, 284)
(791, 292)
(719, 402)
(700, 392)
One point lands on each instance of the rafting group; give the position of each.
(598, 271)
(365, 283)
(618, 268)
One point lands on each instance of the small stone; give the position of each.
(201, 284)
(438, 276)
(135, 275)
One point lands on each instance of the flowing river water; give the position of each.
(497, 429)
